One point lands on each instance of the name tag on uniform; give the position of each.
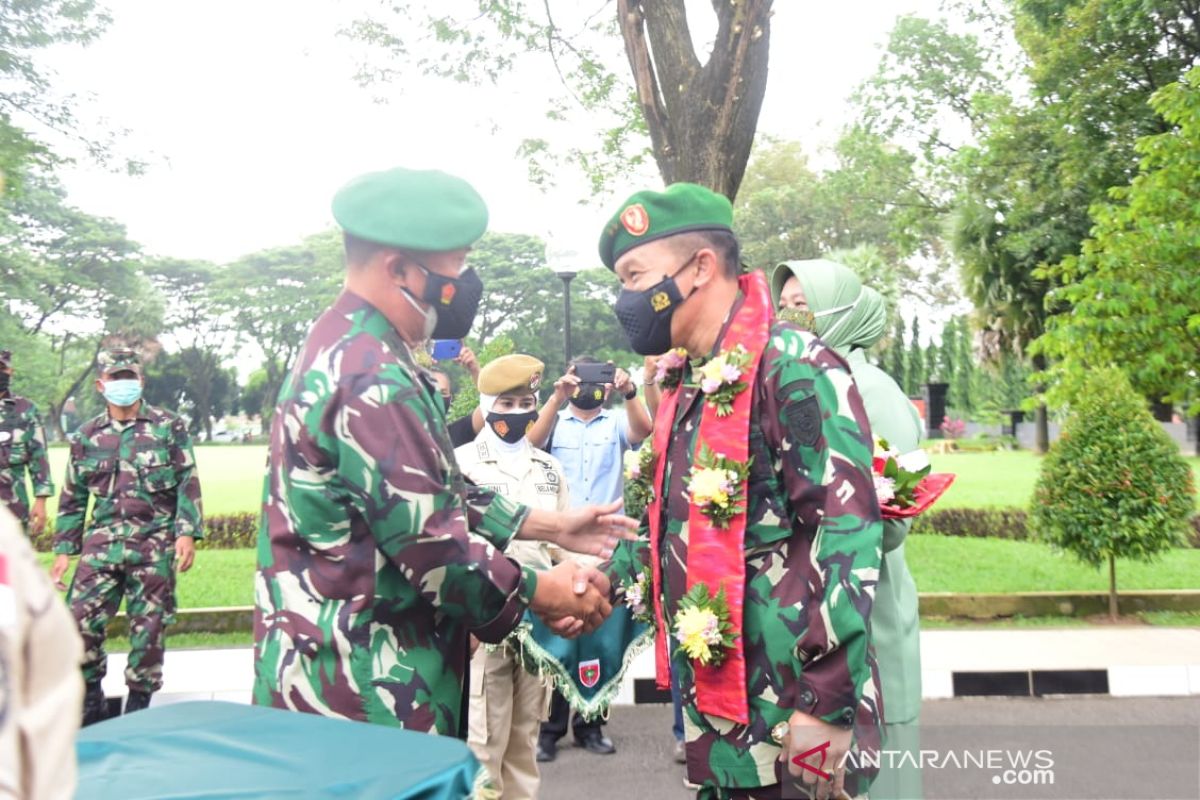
(498, 488)
(546, 488)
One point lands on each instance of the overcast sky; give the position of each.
(250, 118)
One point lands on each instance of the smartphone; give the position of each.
(445, 349)
(595, 373)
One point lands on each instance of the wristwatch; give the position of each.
(632, 393)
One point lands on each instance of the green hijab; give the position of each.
(848, 314)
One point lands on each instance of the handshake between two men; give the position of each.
(573, 599)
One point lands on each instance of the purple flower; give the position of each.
(709, 385)
(730, 373)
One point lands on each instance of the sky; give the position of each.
(249, 116)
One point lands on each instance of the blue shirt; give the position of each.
(591, 455)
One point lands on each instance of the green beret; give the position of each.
(412, 209)
(119, 359)
(515, 373)
(649, 215)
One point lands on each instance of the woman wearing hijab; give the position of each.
(828, 299)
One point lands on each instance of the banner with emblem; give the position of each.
(588, 671)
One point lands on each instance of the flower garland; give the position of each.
(637, 598)
(702, 626)
(668, 370)
(639, 480)
(721, 378)
(715, 486)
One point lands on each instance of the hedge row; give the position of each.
(235, 531)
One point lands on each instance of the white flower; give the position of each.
(915, 461)
(885, 488)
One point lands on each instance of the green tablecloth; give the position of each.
(210, 749)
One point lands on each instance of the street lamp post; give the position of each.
(563, 262)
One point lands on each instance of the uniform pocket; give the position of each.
(95, 473)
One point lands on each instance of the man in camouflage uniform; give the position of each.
(375, 557)
(135, 463)
(22, 449)
(812, 534)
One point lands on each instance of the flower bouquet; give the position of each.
(905, 483)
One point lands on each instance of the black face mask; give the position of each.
(588, 396)
(5, 380)
(646, 316)
(512, 428)
(446, 401)
(454, 300)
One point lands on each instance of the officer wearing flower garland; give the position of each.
(22, 449)
(135, 463)
(763, 539)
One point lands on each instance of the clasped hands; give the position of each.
(572, 599)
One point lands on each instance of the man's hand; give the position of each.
(622, 383)
(823, 747)
(594, 530)
(467, 360)
(185, 553)
(571, 627)
(37, 517)
(564, 387)
(570, 590)
(649, 369)
(62, 563)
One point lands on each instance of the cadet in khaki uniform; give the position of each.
(508, 703)
(40, 687)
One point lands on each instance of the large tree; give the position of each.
(1133, 294)
(273, 297)
(72, 282)
(699, 114)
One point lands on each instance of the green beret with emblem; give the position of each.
(651, 215)
(514, 373)
(119, 359)
(411, 209)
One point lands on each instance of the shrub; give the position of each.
(221, 532)
(1114, 484)
(996, 523)
(953, 428)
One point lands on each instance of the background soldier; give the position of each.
(22, 449)
(136, 462)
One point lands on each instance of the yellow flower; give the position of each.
(712, 370)
(692, 628)
(633, 465)
(709, 486)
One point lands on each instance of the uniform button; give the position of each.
(848, 716)
(807, 697)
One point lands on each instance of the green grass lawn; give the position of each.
(938, 563)
(1002, 478)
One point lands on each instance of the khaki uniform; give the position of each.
(508, 704)
(41, 691)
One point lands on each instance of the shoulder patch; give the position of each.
(804, 421)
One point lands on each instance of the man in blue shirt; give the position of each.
(589, 440)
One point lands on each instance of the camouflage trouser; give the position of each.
(148, 589)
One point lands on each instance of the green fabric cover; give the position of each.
(211, 749)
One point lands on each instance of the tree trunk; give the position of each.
(56, 408)
(701, 118)
(1112, 588)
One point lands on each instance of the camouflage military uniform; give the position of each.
(141, 476)
(812, 554)
(375, 559)
(22, 449)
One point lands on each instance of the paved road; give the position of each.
(642, 766)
